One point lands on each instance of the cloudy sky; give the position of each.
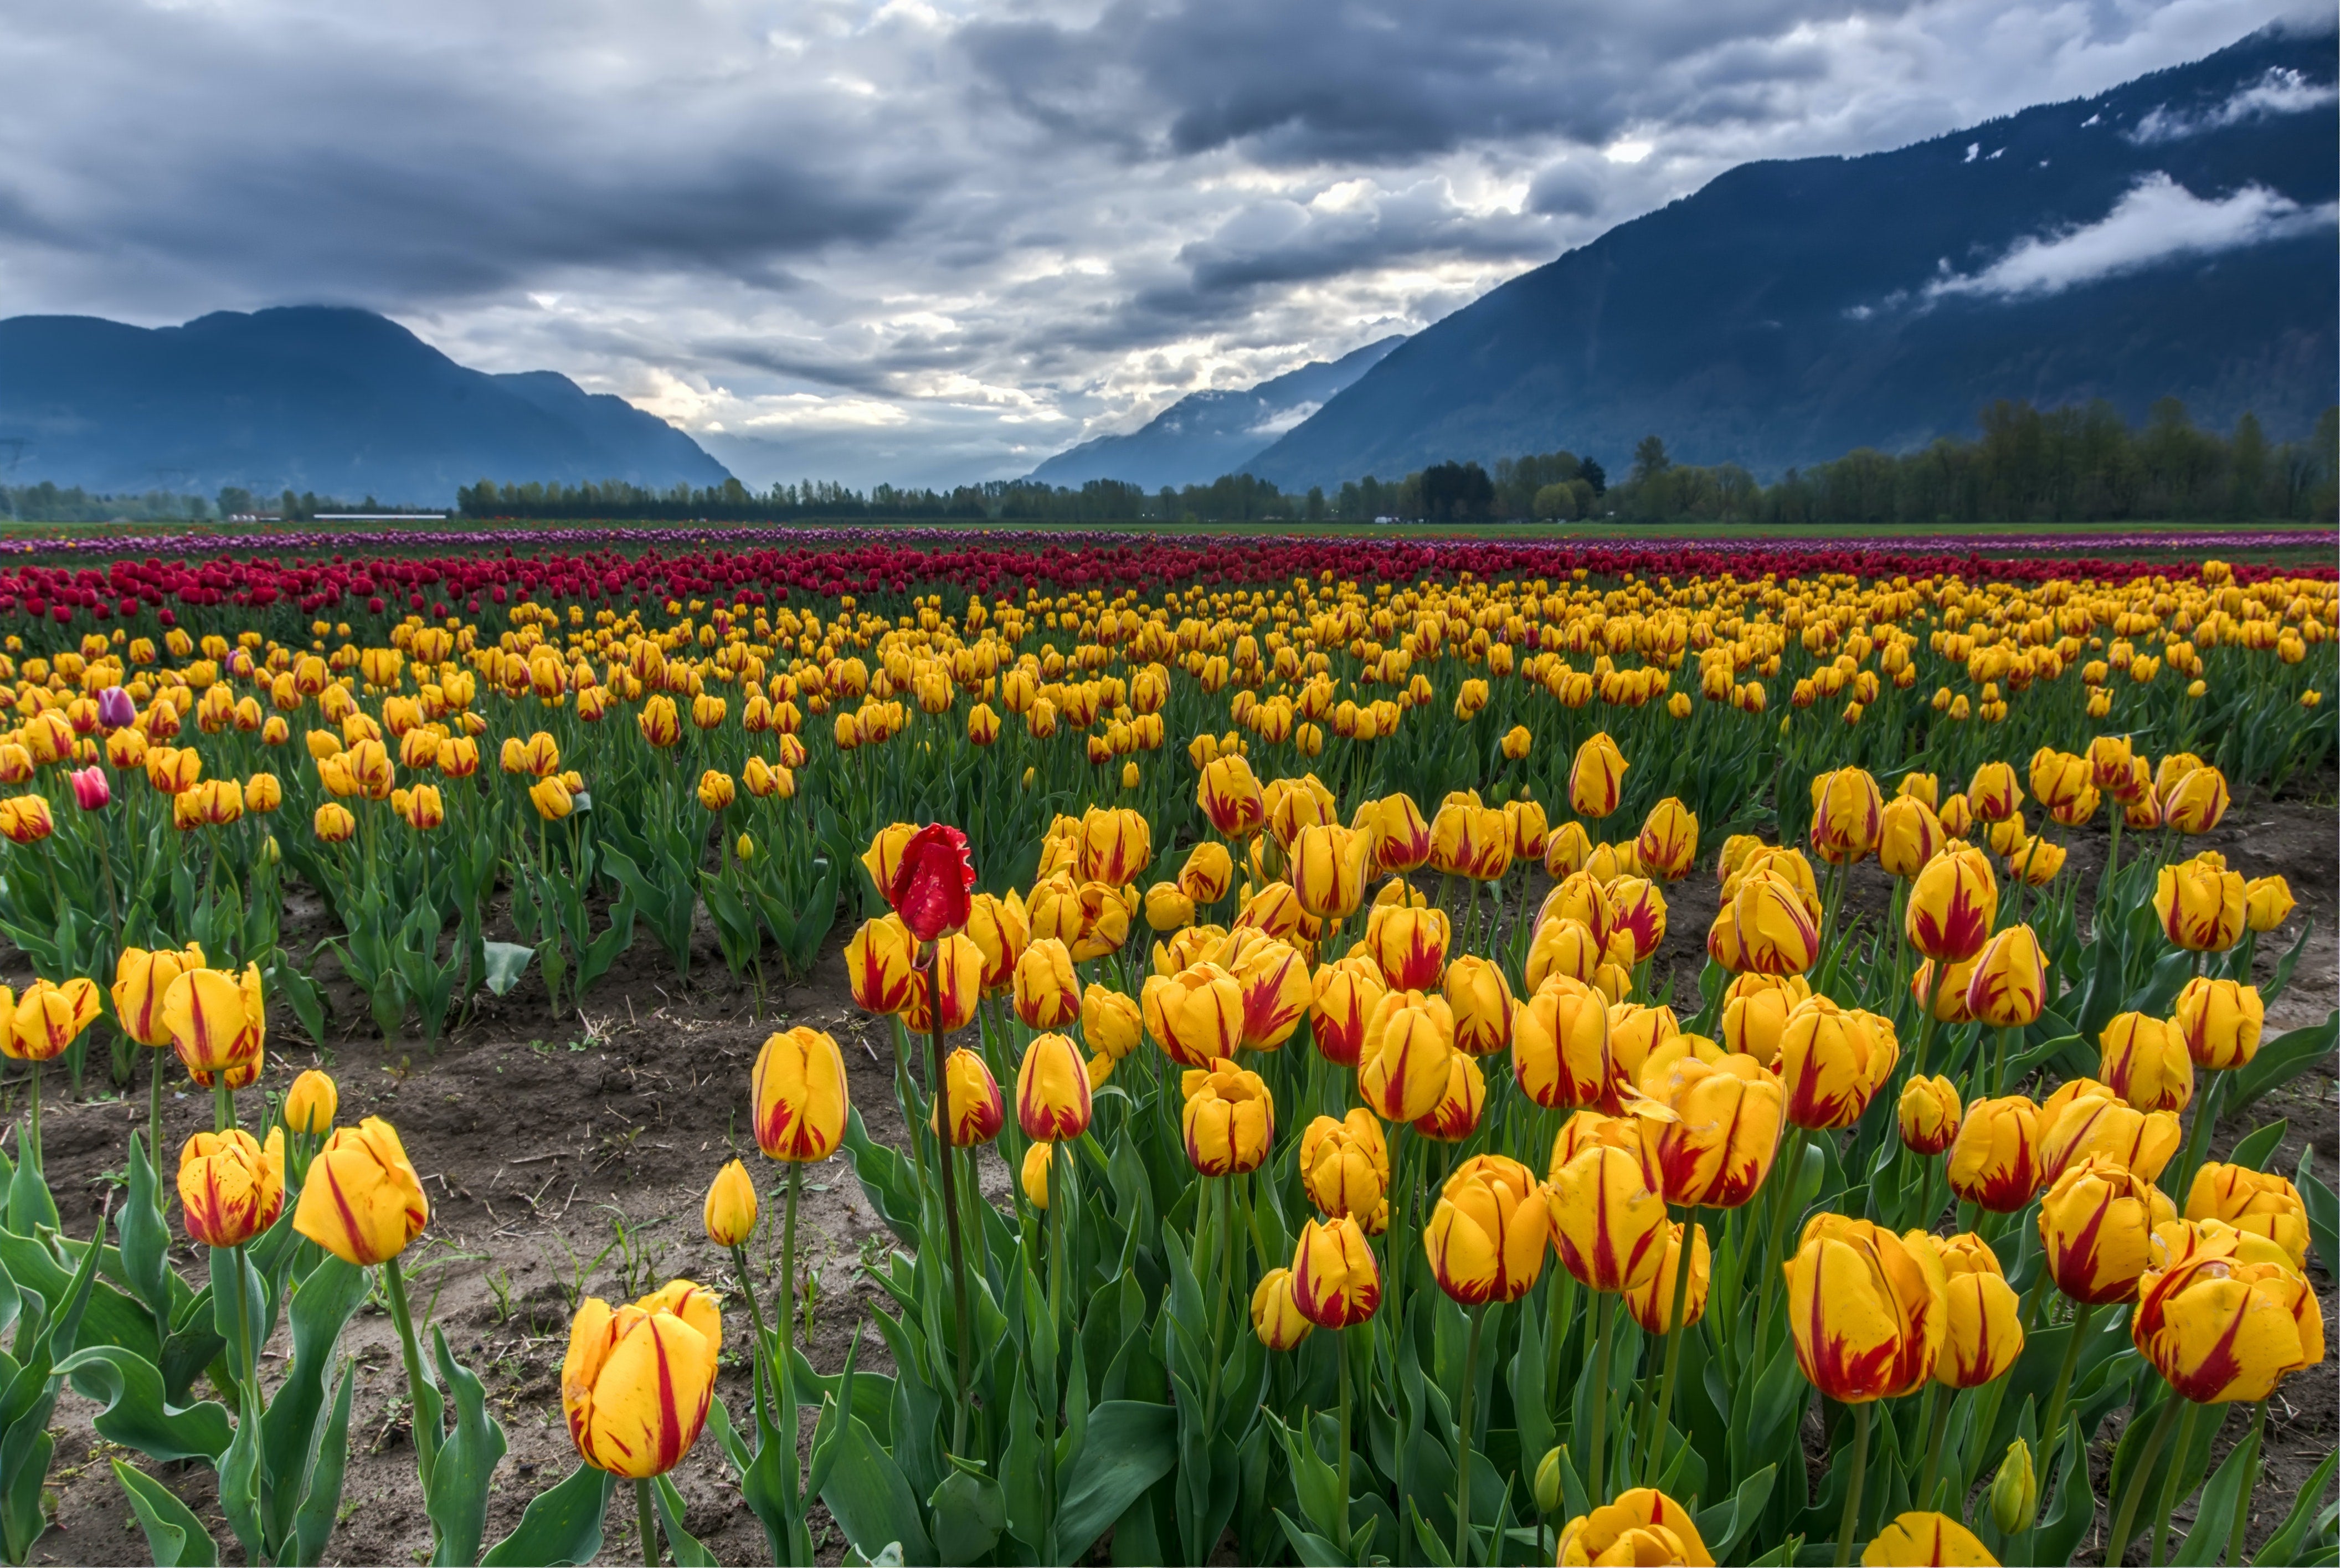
(936, 240)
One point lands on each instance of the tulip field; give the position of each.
(1010, 1050)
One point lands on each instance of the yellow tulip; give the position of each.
(1000, 931)
(1984, 1328)
(1930, 1114)
(1334, 1280)
(1111, 1023)
(1832, 1061)
(2220, 1021)
(2064, 785)
(1455, 1117)
(1344, 1166)
(231, 1187)
(1167, 909)
(1595, 776)
(361, 1201)
(2145, 1062)
(2085, 1119)
(552, 798)
(1867, 1308)
(1728, 1109)
(1653, 1302)
(1481, 1000)
(1908, 835)
(799, 1095)
(2257, 1202)
(729, 1211)
(2095, 1224)
(1032, 1175)
(972, 1096)
(1485, 1239)
(1755, 1009)
(1608, 1221)
(1276, 1316)
(312, 1103)
(1953, 906)
(2266, 903)
(1328, 870)
(1052, 1089)
(2007, 987)
(1047, 995)
(1642, 1527)
(1994, 1159)
(1196, 1016)
(1406, 1060)
(2224, 1315)
(2201, 905)
(218, 1023)
(637, 1382)
(1566, 848)
(1919, 1539)
(1228, 1121)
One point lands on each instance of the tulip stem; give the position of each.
(1939, 1401)
(2206, 1120)
(1654, 1446)
(755, 1314)
(1927, 1025)
(2173, 1478)
(646, 1517)
(1562, 1299)
(222, 1101)
(944, 1148)
(1341, 1344)
(1999, 1064)
(1596, 1481)
(1851, 1520)
(426, 1425)
(789, 1280)
(1463, 1438)
(33, 1132)
(2116, 1543)
(154, 1119)
(2051, 1431)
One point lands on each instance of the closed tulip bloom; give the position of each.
(1953, 906)
(1048, 992)
(1993, 793)
(1000, 930)
(1209, 870)
(1409, 1047)
(1455, 1117)
(1957, 818)
(931, 886)
(141, 979)
(1115, 845)
(552, 798)
(1566, 848)
(972, 1095)
(1344, 1166)
(218, 1023)
(1923, 787)
(2220, 1021)
(1486, 1236)
(1867, 1308)
(2144, 1061)
(877, 965)
(361, 1201)
(1765, 930)
(1112, 1022)
(1668, 845)
(2201, 905)
(1167, 909)
(1334, 1280)
(729, 1212)
(2009, 985)
(1635, 1029)
(1755, 1009)
(1275, 985)
(1832, 1061)
(2266, 903)
(1342, 997)
(1196, 1016)
(2257, 1202)
(637, 1382)
(1228, 1123)
(2224, 1315)
(1994, 1160)
(1985, 1328)
(717, 790)
(1920, 1539)
(2197, 802)
(1564, 948)
(1908, 835)
(1482, 1002)
(1230, 796)
(1595, 778)
(1398, 832)
(1948, 998)
(1275, 1315)
(1728, 1109)
(944, 990)
(1032, 1175)
(1643, 1527)
(1653, 1302)
(1469, 840)
(1409, 944)
(312, 1103)
(1559, 1046)
(2095, 1224)
(1848, 816)
(1606, 1221)
(1637, 912)
(333, 823)
(1328, 870)
(2035, 861)
(231, 1187)
(1530, 827)
(2064, 785)
(1930, 1114)
(1273, 908)
(1052, 1089)
(797, 1092)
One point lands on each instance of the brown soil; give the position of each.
(545, 1140)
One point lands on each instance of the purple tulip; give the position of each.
(114, 709)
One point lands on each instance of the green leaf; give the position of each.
(1131, 1445)
(239, 1481)
(136, 1415)
(1313, 1550)
(686, 1548)
(1722, 1525)
(2214, 1519)
(561, 1524)
(507, 962)
(30, 1206)
(2284, 1545)
(2281, 1060)
(871, 1502)
(322, 1303)
(2252, 1150)
(174, 1534)
(145, 1239)
(321, 1502)
(1026, 1469)
(969, 1511)
(458, 1503)
(2323, 1207)
(2059, 1535)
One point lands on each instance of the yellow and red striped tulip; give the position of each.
(2145, 1061)
(972, 1095)
(1344, 1166)
(2220, 1021)
(2085, 1119)
(1560, 1045)
(2257, 1202)
(1832, 1061)
(1727, 1110)
(799, 1095)
(1642, 1526)
(1334, 1280)
(1868, 1309)
(1994, 1160)
(1930, 1114)
(361, 1200)
(1595, 776)
(1486, 1236)
(2095, 1224)
(2201, 905)
(2223, 1316)
(636, 1382)
(231, 1187)
(1652, 1303)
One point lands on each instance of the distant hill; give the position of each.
(309, 398)
(1207, 433)
(2172, 236)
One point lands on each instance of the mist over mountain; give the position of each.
(306, 398)
(1207, 433)
(2173, 236)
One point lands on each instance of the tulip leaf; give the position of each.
(2284, 1545)
(870, 1501)
(174, 1534)
(2214, 1518)
(136, 1415)
(2255, 1148)
(1723, 1525)
(969, 1511)
(1313, 1550)
(2281, 1060)
(506, 963)
(561, 1524)
(686, 1548)
(145, 1239)
(457, 1502)
(2059, 1535)
(1130, 1446)
(2281, 979)
(1025, 1468)
(2323, 1207)
(328, 1464)
(30, 1206)
(321, 1304)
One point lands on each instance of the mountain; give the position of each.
(308, 397)
(1207, 433)
(2171, 237)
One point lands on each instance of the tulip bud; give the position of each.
(1668, 845)
(2266, 903)
(1547, 1482)
(1033, 1175)
(1652, 1302)
(311, 1104)
(877, 965)
(637, 1382)
(361, 1201)
(2014, 1491)
(1047, 995)
(2197, 801)
(1481, 1000)
(1848, 816)
(1952, 905)
(1908, 835)
(1993, 794)
(2220, 1021)
(1566, 848)
(1275, 1315)
(799, 1096)
(1334, 1280)
(1930, 1114)
(1230, 796)
(1229, 1119)
(729, 1212)
(1052, 1089)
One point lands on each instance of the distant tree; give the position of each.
(234, 500)
(1650, 458)
(1456, 492)
(1596, 476)
(2246, 468)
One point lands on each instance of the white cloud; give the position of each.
(2157, 219)
(2282, 91)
